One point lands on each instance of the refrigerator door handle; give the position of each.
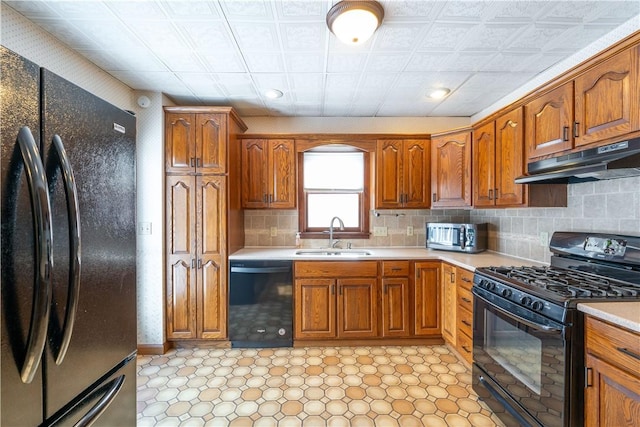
(109, 396)
(41, 206)
(73, 291)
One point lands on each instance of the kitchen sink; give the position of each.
(333, 252)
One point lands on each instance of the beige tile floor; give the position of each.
(309, 387)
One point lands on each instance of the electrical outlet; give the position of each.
(544, 238)
(144, 228)
(409, 230)
(274, 231)
(380, 231)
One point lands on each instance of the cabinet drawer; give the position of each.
(465, 299)
(465, 321)
(465, 347)
(336, 269)
(395, 268)
(466, 279)
(619, 346)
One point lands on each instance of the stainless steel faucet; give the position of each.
(332, 243)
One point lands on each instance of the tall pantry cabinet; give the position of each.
(204, 218)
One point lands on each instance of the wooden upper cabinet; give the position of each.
(198, 139)
(195, 143)
(451, 170)
(484, 156)
(268, 173)
(402, 174)
(549, 121)
(606, 99)
(509, 159)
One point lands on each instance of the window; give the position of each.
(333, 181)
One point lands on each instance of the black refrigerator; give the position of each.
(68, 284)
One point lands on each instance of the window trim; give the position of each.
(363, 232)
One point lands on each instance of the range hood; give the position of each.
(617, 160)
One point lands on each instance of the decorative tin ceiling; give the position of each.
(229, 52)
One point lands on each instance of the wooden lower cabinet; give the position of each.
(612, 393)
(448, 309)
(426, 298)
(395, 299)
(335, 300)
(464, 314)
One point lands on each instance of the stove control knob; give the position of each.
(537, 305)
(525, 301)
(506, 293)
(490, 286)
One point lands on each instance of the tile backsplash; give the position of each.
(608, 206)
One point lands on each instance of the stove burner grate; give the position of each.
(567, 283)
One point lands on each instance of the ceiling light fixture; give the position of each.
(439, 93)
(273, 93)
(353, 21)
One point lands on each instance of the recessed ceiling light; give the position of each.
(273, 93)
(439, 93)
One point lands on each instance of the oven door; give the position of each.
(520, 362)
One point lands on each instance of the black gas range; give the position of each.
(528, 334)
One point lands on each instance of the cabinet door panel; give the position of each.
(451, 170)
(509, 159)
(282, 179)
(357, 308)
(416, 177)
(484, 156)
(606, 103)
(389, 173)
(395, 307)
(212, 299)
(613, 398)
(211, 143)
(448, 309)
(180, 140)
(255, 157)
(549, 122)
(181, 258)
(212, 218)
(427, 298)
(315, 308)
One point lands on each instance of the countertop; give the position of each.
(468, 261)
(625, 314)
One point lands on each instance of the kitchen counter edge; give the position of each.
(621, 313)
(468, 261)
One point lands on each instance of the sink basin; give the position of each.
(333, 252)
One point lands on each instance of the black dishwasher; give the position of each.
(261, 303)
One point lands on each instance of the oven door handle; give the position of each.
(256, 270)
(520, 319)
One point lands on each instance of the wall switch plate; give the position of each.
(144, 228)
(409, 230)
(274, 231)
(380, 231)
(544, 238)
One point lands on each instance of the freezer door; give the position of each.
(109, 402)
(21, 404)
(94, 237)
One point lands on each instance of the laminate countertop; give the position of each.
(625, 314)
(468, 261)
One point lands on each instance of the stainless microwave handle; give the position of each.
(463, 236)
(256, 270)
(520, 319)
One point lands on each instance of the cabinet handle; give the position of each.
(434, 197)
(264, 198)
(464, 279)
(270, 198)
(466, 323)
(465, 348)
(576, 128)
(192, 161)
(198, 162)
(193, 263)
(199, 264)
(453, 277)
(339, 290)
(588, 377)
(467, 300)
(491, 194)
(333, 289)
(565, 133)
(496, 193)
(628, 352)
